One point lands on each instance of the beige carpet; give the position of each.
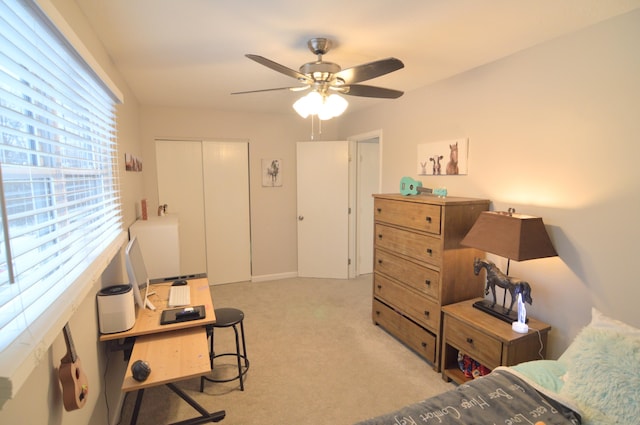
(316, 358)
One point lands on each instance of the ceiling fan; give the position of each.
(327, 77)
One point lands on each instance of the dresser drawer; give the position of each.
(479, 346)
(414, 245)
(422, 279)
(416, 337)
(422, 310)
(414, 215)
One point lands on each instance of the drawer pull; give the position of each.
(428, 219)
(424, 344)
(429, 251)
(379, 261)
(379, 286)
(379, 210)
(379, 235)
(427, 282)
(426, 313)
(470, 340)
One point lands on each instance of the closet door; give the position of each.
(180, 186)
(226, 207)
(207, 185)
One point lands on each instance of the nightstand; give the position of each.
(486, 339)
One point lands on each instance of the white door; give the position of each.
(226, 198)
(323, 209)
(179, 165)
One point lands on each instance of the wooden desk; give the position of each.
(174, 352)
(167, 355)
(148, 321)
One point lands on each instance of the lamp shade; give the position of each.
(518, 237)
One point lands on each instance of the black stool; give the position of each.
(228, 317)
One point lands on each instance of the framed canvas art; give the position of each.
(271, 173)
(448, 157)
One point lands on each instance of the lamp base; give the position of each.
(519, 327)
(497, 311)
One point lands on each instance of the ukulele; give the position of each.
(409, 186)
(74, 382)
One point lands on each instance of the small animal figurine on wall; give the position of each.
(452, 165)
(424, 168)
(437, 168)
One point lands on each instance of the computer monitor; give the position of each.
(137, 272)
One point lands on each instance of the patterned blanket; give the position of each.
(498, 398)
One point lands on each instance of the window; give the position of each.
(59, 199)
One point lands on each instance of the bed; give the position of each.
(596, 381)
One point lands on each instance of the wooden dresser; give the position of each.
(419, 265)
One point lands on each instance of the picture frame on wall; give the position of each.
(132, 163)
(271, 172)
(448, 157)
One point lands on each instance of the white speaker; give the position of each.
(116, 310)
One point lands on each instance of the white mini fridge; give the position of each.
(160, 245)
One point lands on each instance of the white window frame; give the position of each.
(29, 349)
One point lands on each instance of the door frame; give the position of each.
(355, 250)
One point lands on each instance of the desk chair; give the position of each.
(225, 318)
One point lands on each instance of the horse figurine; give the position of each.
(495, 277)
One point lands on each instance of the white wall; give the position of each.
(553, 131)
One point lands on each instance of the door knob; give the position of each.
(300, 217)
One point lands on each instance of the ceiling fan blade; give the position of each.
(280, 68)
(369, 70)
(300, 88)
(370, 91)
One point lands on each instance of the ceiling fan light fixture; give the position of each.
(325, 107)
(308, 104)
(322, 78)
(336, 104)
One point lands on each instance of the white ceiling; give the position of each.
(190, 53)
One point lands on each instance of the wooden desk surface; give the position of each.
(172, 356)
(148, 321)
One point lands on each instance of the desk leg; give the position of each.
(136, 407)
(206, 416)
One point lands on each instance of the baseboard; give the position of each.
(277, 276)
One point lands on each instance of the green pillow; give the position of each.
(546, 373)
(603, 376)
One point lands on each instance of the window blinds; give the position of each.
(59, 194)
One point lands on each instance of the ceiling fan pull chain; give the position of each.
(312, 121)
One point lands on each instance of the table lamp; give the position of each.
(517, 237)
